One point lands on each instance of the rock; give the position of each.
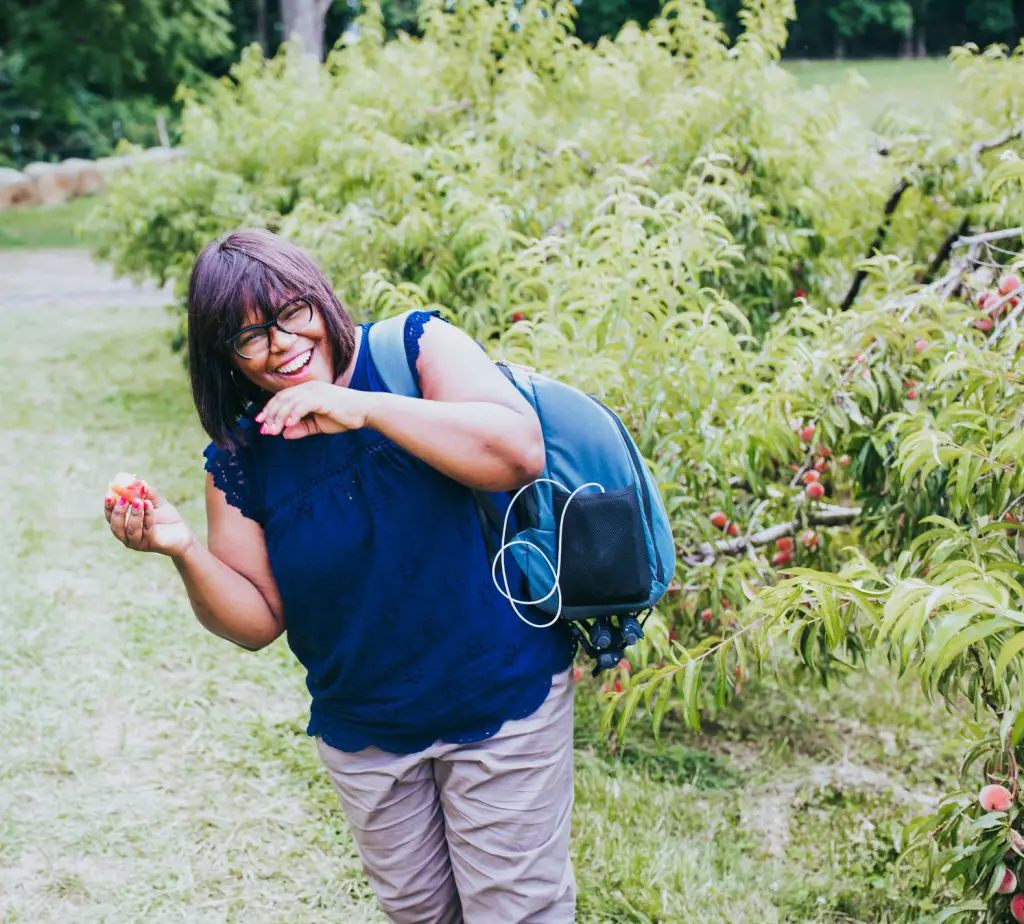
(88, 180)
(16, 189)
(109, 167)
(53, 183)
(162, 155)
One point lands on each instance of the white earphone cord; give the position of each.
(555, 571)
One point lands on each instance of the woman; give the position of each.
(342, 516)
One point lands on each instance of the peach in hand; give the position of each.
(129, 487)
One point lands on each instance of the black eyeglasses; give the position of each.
(293, 317)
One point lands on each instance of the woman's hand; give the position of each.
(314, 407)
(150, 525)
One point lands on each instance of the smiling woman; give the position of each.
(343, 516)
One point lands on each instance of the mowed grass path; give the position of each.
(151, 772)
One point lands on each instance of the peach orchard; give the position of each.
(812, 328)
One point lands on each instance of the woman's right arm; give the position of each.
(229, 585)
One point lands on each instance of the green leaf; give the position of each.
(1011, 648)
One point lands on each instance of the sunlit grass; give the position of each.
(45, 225)
(918, 87)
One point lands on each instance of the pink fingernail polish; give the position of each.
(136, 505)
(121, 502)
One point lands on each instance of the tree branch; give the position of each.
(824, 515)
(880, 235)
(462, 105)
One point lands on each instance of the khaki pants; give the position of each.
(469, 833)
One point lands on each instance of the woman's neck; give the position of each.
(346, 376)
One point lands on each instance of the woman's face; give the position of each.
(294, 350)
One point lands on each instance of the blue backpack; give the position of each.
(592, 536)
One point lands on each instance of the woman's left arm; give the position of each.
(473, 425)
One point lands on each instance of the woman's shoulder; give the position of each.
(394, 335)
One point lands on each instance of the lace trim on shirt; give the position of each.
(414, 325)
(228, 472)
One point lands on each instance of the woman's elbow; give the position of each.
(530, 458)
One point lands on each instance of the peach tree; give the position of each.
(810, 326)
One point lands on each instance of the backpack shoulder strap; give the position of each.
(386, 343)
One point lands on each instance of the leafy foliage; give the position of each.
(665, 221)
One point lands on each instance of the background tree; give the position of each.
(305, 20)
(852, 19)
(77, 74)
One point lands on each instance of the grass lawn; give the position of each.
(45, 226)
(152, 772)
(919, 87)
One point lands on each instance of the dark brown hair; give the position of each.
(249, 271)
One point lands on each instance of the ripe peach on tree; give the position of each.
(815, 490)
(1009, 283)
(995, 798)
(782, 557)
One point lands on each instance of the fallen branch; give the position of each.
(976, 150)
(989, 236)
(946, 249)
(880, 235)
(824, 515)
(983, 147)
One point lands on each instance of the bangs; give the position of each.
(244, 291)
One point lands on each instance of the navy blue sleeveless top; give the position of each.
(388, 600)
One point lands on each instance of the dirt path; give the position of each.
(50, 278)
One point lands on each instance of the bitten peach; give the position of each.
(129, 487)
